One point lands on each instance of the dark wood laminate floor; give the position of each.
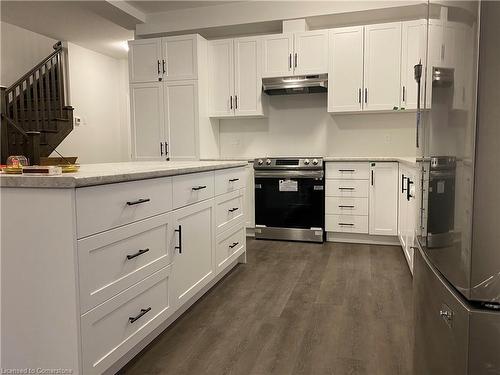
(295, 308)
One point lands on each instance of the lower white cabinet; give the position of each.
(407, 215)
(230, 245)
(384, 198)
(193, 265)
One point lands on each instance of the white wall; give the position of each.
(20, 50)
(299, 125)
(99, 93)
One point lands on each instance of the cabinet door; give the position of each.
(382, 66)
(384, 198)
(413, 52)
(146, 107)
(411, 218)
(144, 59)
(346, 55)
(193, 265)
(402, 207)
(277, 55)
(221, 65)
(247, 77)
(310, 52)
(181, 119)
(179, 58)
(250, 197)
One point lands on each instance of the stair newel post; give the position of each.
(34, 147)
(4, 143)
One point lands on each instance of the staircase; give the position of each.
(34, 110)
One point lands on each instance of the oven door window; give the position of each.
(289, 203)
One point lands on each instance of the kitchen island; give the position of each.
(96, 264)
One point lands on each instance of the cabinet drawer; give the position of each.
(346, 206)
(109, 331)
(229, 209)
(346, 223)
(228, 180)
(348, 170)
(99, 208)
(112, 261)
(230, 245)
(192, 188)
(346, 188)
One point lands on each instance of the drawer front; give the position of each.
(347, 188)
(99, 208)
(346, 206)
(346, 223)
(229, 210)
(110, 330)
(192, 188)
(228, 180)
(348, 170)
(230, 245)
(112, 261)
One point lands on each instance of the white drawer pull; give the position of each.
(233, 209)
(140, 252)
(143, 312)
(139, 201)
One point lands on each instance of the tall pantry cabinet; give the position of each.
(168, 99)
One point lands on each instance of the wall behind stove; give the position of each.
(299, 125)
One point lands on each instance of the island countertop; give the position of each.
(109, 173)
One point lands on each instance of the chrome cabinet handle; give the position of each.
(179, 230)
(234, 244)
(233, 209)
(140, 252)
(143, 312)
(196, 188)
(139, 201)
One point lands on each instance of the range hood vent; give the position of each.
(295, 85)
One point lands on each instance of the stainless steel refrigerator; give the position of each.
(457, 257)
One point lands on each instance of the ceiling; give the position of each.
(149, 7)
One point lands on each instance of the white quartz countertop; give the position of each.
(409, 161)
(108, 173)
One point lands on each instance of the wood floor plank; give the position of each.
(295, 309)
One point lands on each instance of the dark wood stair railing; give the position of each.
(36, 104)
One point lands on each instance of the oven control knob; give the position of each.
(268, 161)
(315, 161)
(306, 162)
(260, 162)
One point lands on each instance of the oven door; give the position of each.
(290, 199)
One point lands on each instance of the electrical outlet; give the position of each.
(77, 120)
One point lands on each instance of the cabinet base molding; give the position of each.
(362, 238)
(250, 232)
(181, 310)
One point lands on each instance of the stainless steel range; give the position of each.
(289, 199)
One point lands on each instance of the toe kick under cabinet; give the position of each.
(361, 198)
(108, 267)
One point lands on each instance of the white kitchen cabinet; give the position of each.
(413, 51)
(179, 57)
(235, 78)
(277, 53)
(181, 120)
(310, 52)
(382, 66)
(250, 197)
(407, 214)
(194, 262)
(346, 55)
(147, 120)
(383, 198)
(144, 58)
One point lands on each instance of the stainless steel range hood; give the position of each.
(295, 85)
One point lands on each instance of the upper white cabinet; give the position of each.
(383, 212)
(157, 59)
(147, 120)
(413, 49)
(235, 87)
(345, 90)
(179, 57)
(382, 64)
(144, 57)
(371, 67)
(300, 53)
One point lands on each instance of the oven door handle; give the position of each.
(289, 174)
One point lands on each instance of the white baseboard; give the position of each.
(362, 238)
